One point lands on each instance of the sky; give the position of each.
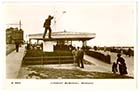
(113, 22)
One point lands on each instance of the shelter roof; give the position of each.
(64, 36)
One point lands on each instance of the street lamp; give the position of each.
(63, 12)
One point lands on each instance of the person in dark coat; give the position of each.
(77, 56)
(74, 53)
(129, 52)
(17, 46)
(80, 58)
(46, 25)
(114, 67)
(122, 65)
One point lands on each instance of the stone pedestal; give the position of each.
(48, 46)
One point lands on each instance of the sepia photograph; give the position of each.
(75, 40)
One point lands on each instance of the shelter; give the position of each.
(61, 39)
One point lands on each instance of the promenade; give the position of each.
(128, 60)
(13, 62)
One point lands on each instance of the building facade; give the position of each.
(13, 35)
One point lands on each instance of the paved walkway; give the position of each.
(96, 66)
(13, 62)
(101, 66)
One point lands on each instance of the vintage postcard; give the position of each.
(70, 45)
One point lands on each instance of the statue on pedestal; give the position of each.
(46, 25)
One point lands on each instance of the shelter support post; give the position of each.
(84, 43)
(37, 41)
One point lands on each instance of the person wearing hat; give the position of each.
(80, 56)
(122, 64)
(46, 25)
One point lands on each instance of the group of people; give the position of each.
(122, 65)
(78, 55)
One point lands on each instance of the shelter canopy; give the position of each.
(74, 36)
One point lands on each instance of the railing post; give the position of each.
(41, 61)
(59, 60)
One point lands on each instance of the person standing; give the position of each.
(114, 67)
(77, 56)
(74, 53)
(80, 58)
(17, 46)
(46, 25)
(122, 65)
(129, 52)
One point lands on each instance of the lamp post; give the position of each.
(63, 12)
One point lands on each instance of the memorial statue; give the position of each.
(46, 25)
